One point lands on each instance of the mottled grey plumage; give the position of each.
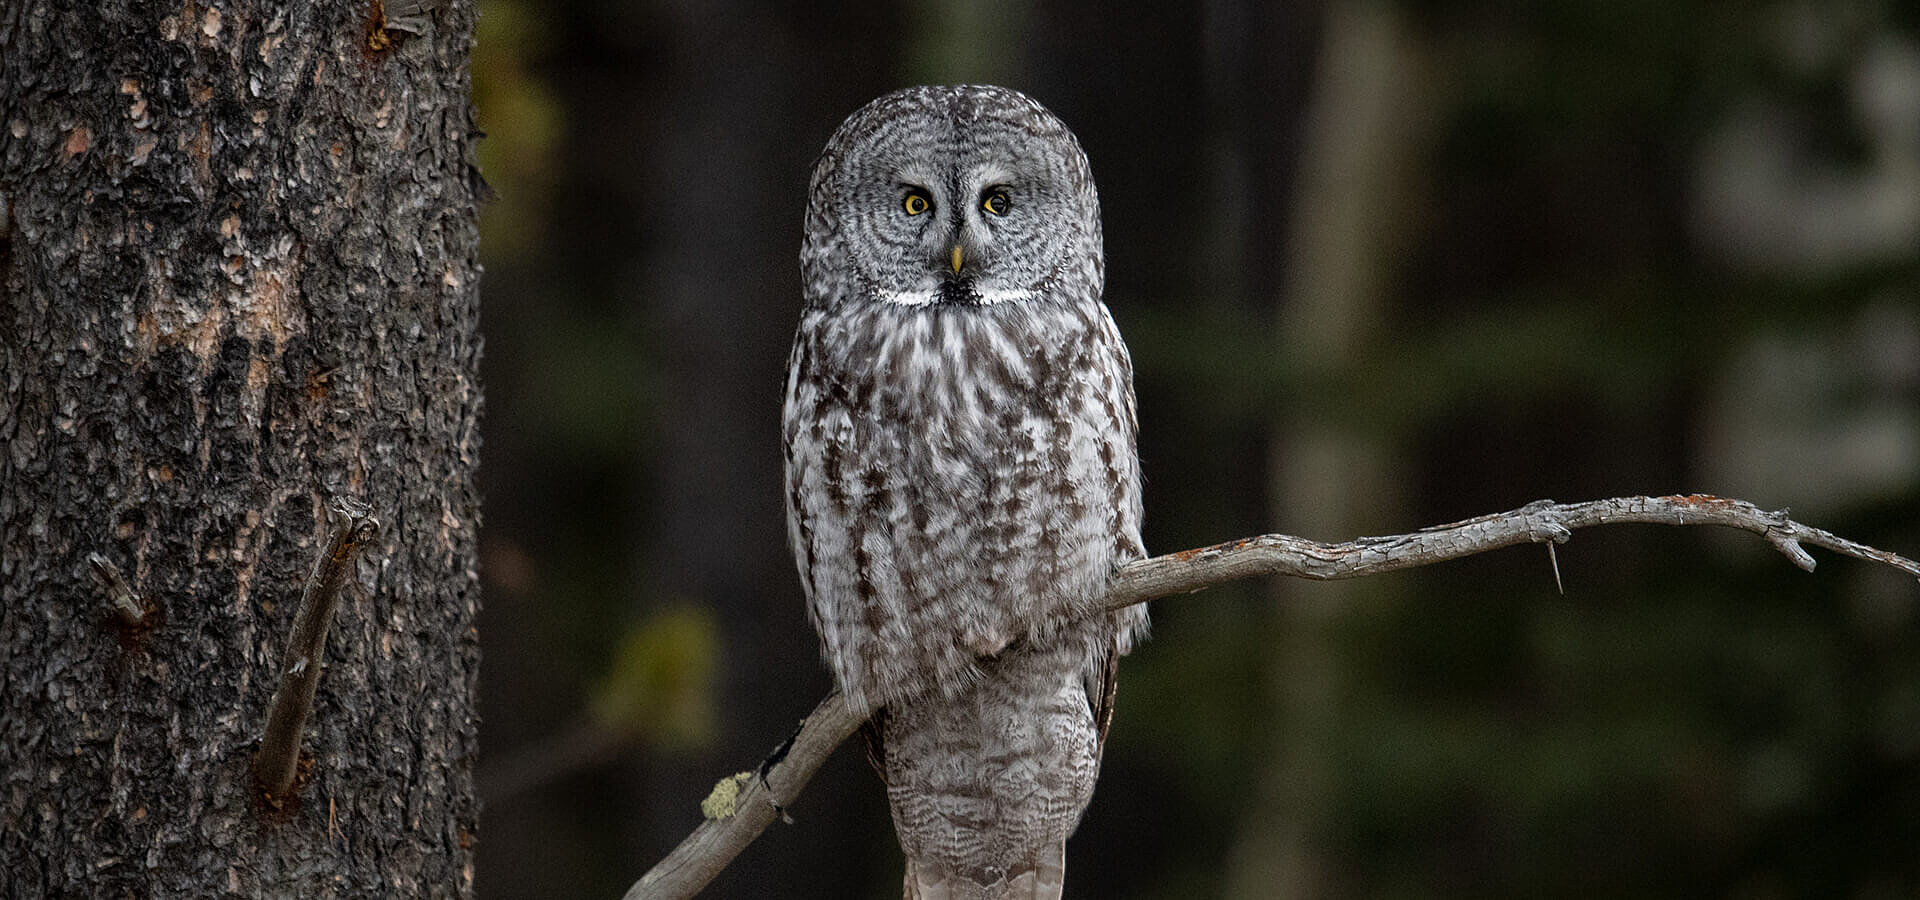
(961, 473)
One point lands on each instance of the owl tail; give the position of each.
(1041, 879)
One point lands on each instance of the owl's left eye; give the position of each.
(996, 202)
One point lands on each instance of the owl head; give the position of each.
(958, 195)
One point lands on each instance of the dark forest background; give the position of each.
(1381, 265)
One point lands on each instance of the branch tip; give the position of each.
(1790, 545)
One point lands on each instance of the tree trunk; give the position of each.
(237, 282)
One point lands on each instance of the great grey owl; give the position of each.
(961, 475)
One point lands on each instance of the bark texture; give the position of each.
(237, 280)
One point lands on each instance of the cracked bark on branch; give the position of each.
(718, 840)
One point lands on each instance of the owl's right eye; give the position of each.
(917, 202)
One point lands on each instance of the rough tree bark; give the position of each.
(237, 282)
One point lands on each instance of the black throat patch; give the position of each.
(958, 292)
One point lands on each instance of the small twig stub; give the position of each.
(277, 764)
(127, 606)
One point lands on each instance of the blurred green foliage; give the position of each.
(659, 684)
(518, 160)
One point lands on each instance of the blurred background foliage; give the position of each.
(1382, 265)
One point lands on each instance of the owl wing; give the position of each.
(1103, 684)
(1130, 624)
(873, 739)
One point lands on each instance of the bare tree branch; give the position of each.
(1542, 521)
(755, 801)
(277, 763)
(721, 837)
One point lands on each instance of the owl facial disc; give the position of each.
(963, 197)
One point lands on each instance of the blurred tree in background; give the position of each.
(1381, 265)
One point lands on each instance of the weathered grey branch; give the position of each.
(278, 760)
(722, 836)
(1542, 521)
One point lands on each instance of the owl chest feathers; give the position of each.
(958, 476)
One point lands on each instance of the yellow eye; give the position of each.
(917, 203)
(996, 202)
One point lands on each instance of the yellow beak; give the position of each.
(956, 259)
